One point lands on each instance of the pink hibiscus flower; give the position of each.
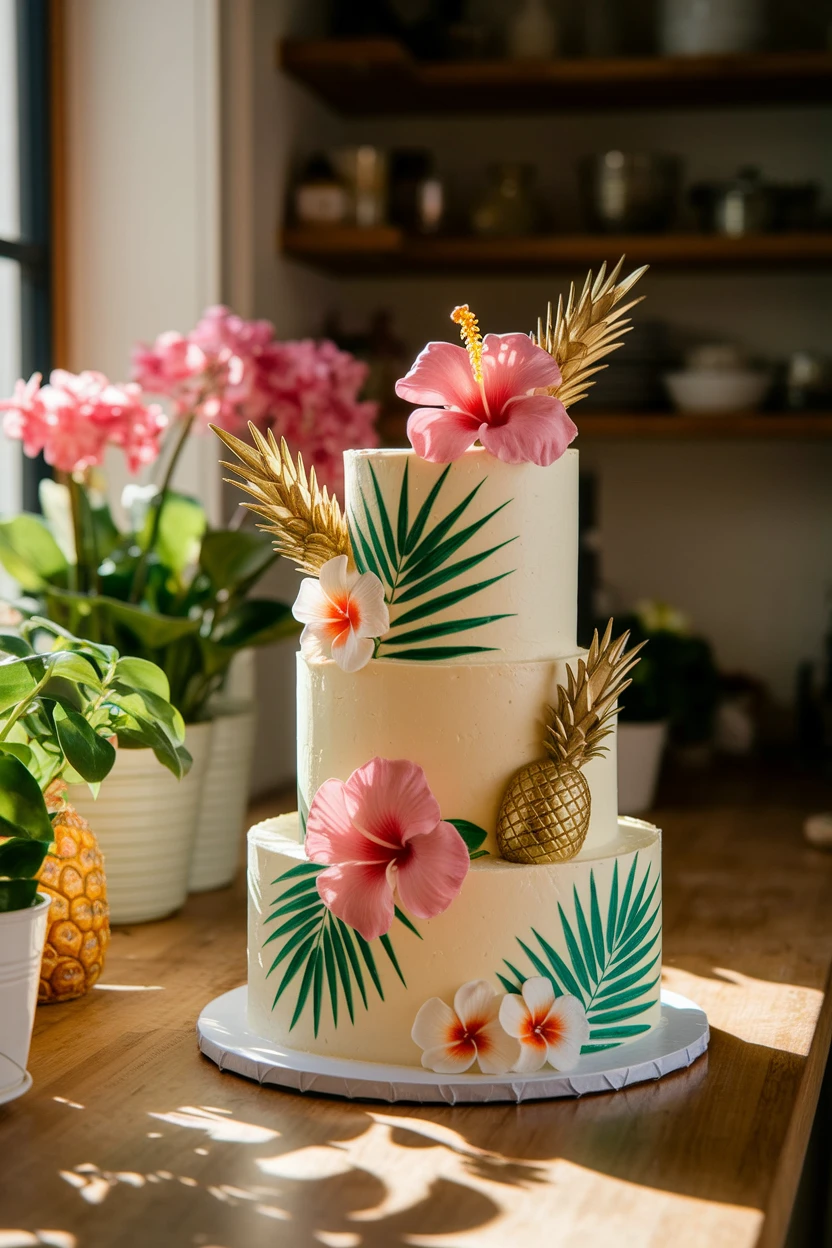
(492, 391)
(382, 834)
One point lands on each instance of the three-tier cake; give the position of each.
(456, 890)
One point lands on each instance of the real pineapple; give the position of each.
(545, 813)
(79, 918)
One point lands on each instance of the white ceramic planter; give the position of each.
(640, 750)
(22, 937)
(219, 833)
(145, 820)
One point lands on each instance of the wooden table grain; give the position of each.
(131, 1138)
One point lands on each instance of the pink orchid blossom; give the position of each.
(453, 1039)
(76, 417)
(549, 1028)
(493, 392)
(228, 371)
(383, 836)
(344, 611)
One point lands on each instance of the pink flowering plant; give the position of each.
(166, 586)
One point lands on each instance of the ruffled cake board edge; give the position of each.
(676, 1042)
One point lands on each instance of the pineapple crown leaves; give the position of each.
(578, 725)
(306, 522)
(586, 329)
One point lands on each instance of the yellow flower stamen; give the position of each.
(469, 332)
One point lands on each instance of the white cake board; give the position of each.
(675, 1042)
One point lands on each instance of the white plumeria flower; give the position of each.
(343, 612)
(453, 1039)
(549, 1028)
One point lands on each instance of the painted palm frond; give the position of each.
(415, 559)
(318, 951)
(612, 963)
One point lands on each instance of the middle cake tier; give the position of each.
(470, 726)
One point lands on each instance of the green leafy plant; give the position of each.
(196, 611)
(322, 949)
(62, 700)
(611, 963)
(413, 560)
(25, 822)
(676, 681)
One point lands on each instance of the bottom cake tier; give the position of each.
(591, 926)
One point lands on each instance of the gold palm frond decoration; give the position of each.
(587, 328)
(307, 523)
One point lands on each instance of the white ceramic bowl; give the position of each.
(717, 390)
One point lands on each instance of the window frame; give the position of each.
(32, 251)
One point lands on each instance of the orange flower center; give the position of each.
(542, 1029)
(468, 1038)
(343, 615)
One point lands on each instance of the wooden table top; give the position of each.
(131, 1138)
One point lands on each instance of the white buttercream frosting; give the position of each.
(470, 726)
(535, 528)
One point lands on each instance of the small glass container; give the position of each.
(320, 197)
(364, 170)
(509, 205)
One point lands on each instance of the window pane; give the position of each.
(10, 475)
(9, 122)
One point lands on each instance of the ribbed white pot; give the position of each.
(145, 820)
(219, 833)
(640, 750)
(22, 937)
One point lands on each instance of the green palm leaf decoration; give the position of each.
(318, 951)
(414, 560)
(611, 964)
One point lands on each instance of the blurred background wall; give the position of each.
(736, 534)
(185, 134)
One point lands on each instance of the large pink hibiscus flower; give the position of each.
(383, 835)
(489, 390)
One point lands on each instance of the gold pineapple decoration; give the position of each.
(78, 931)
(545, 812)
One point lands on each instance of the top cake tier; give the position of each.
(479, 558)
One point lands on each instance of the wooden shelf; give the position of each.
(379, 77)
(683, 427)
(667, 426)
(386, 251)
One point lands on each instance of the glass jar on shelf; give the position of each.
(510, 205)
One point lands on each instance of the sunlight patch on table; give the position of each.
(626, 1214)
(757, 1011)
(338, 1239)
(216, 1126)
(129, 988)
(28, 1239)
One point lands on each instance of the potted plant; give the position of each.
(162, 584)
(673, 697)
(62, 703)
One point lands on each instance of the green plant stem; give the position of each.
(140, 574)
(76, 504)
